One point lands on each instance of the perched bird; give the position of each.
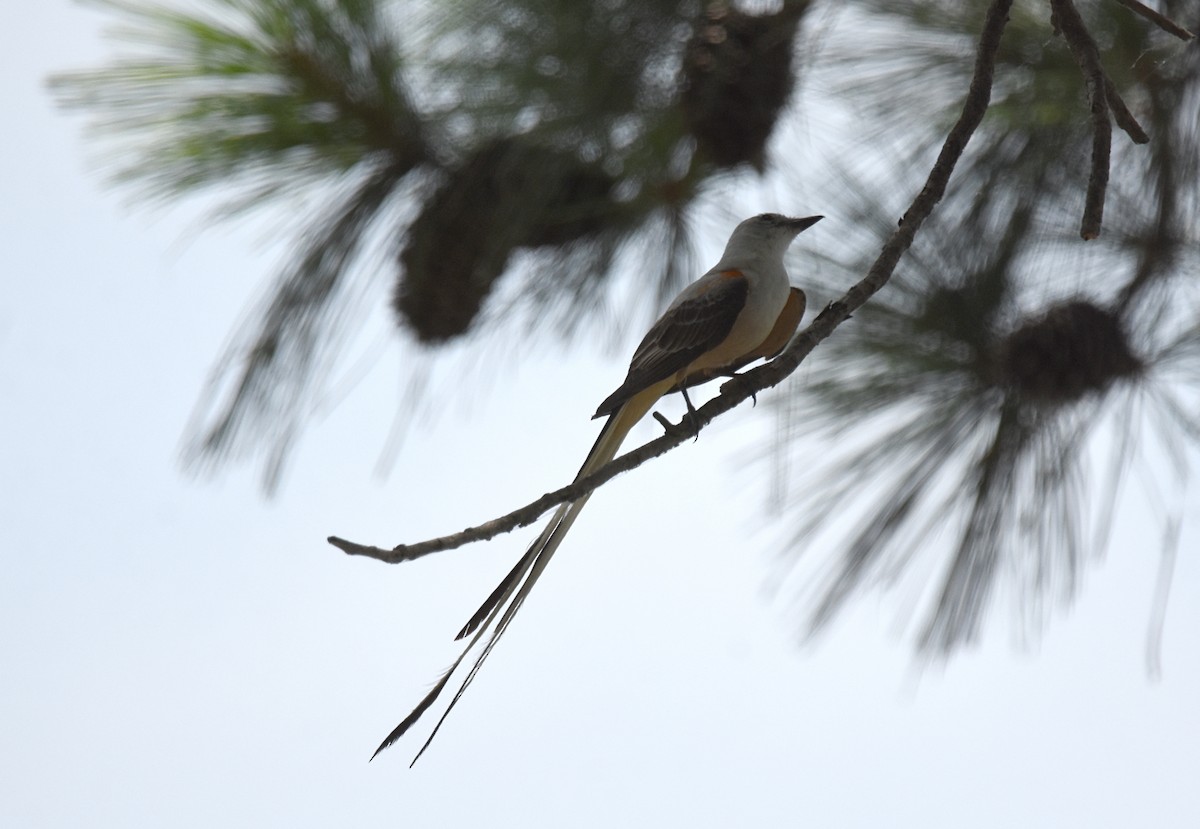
(743, 309)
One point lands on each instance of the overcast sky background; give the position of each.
(183, 652)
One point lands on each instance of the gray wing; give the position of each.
(682, 334)
(785, 328)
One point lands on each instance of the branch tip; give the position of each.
(1161, 20)
(1068, 22)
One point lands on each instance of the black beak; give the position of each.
(805, 223)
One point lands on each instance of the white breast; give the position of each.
(765, 301)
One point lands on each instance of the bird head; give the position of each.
(768, 233)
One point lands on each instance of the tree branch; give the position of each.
(1122, 115)
(1162, 21)
(1066, 20)
(736, 391)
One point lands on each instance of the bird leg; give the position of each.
(691, 410)
(691, 418)
(687, 425)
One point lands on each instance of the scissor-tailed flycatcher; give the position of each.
(741, 310)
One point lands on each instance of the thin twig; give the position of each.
(1162, 21)
(735, 392)
(1122, 115)
(1087, 55)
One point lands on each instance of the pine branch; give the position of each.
(1083, 48)
(1122, 115)
(1162, 21)
(737, 391)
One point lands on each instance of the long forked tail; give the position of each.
(498, 610)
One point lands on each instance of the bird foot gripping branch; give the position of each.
(686, 427)
(737, 383)
(741, 310)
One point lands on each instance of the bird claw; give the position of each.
(687, 425)
(737, 381)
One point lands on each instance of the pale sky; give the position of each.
(183, 652)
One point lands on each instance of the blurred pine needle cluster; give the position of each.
(959, 417)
